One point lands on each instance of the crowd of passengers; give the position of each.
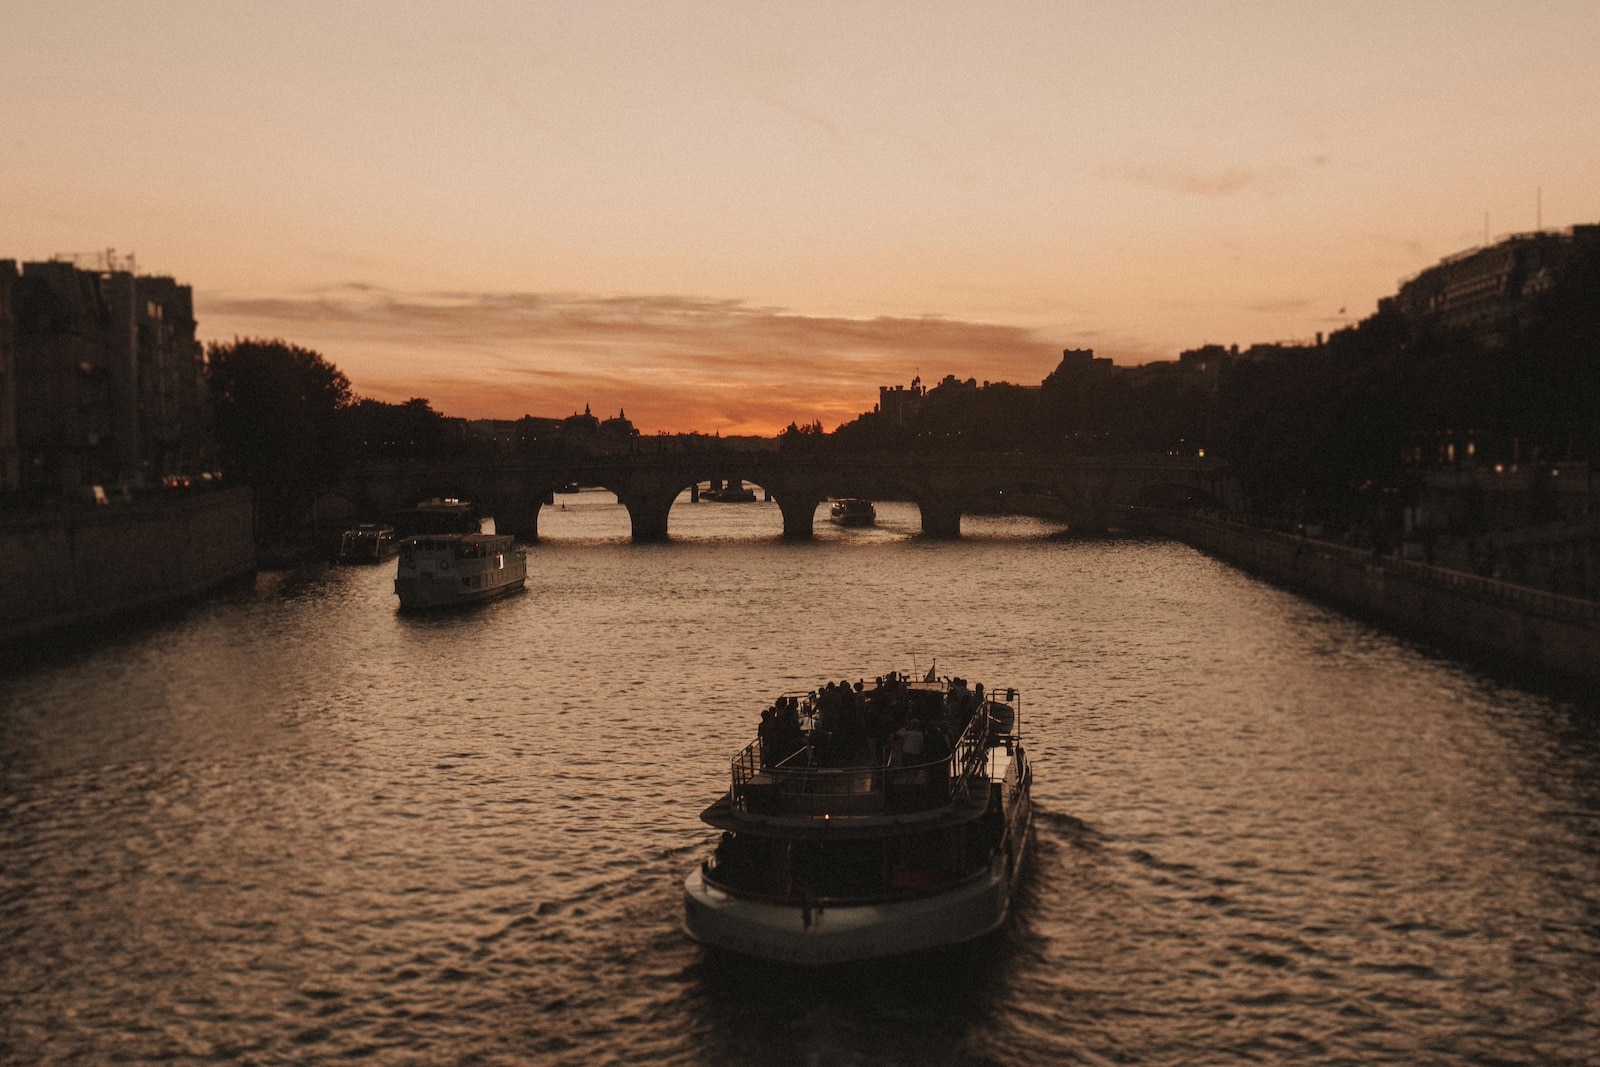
(888, 724)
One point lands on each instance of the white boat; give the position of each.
(443, 570)
(850, 511)
(836, 851)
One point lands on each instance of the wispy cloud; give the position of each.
(814, 119)
(1279, 306)
(674, 362)
(1188, 180)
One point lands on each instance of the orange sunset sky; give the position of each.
(724, 216)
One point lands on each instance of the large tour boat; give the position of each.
(444, 570)
(867, 822)
(850, 511)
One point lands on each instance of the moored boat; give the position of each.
(368, 543)
(734, 492)
(445, 570)
(850, 511)
(846, 840)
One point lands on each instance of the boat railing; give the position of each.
(798, 785)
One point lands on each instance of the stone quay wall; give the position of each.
(1491, 620)
(92, 563)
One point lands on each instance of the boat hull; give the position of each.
(830, 934)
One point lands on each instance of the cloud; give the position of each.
(814, 119)
(1192, 181)
(1278, 307)
(673, 362)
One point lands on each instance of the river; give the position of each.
(288, 824)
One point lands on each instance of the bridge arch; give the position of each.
(650, 499)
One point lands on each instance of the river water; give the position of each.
(290, 825)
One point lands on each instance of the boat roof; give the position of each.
(465, 539)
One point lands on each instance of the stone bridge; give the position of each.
(647, 480)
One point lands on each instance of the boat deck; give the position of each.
(804, 784)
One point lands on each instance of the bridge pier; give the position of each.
(941, 519)
(647, 514)
(799, 514)
(520, 517)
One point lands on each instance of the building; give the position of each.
(576, 425)
(618, 427)
(10, 473)
(900, 405)
(1486, 291)
(1077, 366)
(104, 379)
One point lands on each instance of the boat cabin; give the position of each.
(458, 547)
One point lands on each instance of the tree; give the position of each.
(376, 430)
(276, 407)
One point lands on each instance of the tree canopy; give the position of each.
(277, 407)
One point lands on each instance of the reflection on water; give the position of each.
(291, 824)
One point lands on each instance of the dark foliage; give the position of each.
(277, 409)
(1339, 432)
(373, 430)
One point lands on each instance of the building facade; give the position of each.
(102, 380)
(10, 471)
(1486, 291)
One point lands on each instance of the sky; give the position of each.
(728, 216)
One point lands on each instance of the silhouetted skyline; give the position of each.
(725, 216)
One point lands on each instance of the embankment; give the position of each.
(1491, 620)
(91, 563)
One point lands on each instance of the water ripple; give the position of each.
(293, 826)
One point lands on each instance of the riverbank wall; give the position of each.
(1490, 620)
(87, 564)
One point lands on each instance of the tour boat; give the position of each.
(839, 846)
(368, 543)
(443, 570)
(850, 511)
